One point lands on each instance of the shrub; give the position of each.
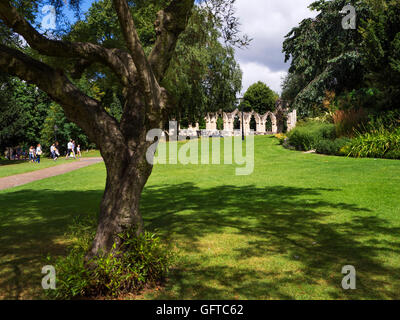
(389, 119)
(281, 137)
(376, 144)
(393, 154)
(306, 135)
(139, 261)
(347, 121)
(332, 147)
(345, 150)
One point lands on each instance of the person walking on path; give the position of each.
(38, 152)
(53, 152)
(57, 149)
(31, 154)
(70, 150)
(78, 151)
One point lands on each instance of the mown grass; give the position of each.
(283, 232)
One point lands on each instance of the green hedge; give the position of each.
(333, 147)
(307, 135)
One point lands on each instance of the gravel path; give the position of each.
(23, 178)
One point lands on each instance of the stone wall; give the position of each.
(277, 118)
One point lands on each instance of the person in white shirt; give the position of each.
(70, 147)
(53, 152)
(73, 149)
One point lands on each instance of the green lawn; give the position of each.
(9, 168)
(284, 232)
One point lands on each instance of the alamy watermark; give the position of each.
(49, 280)
(349, 281)
(202, 150)
(349, 21)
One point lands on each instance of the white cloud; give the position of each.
(267, 22)
(253, 72)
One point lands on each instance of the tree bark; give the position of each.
(127, 174)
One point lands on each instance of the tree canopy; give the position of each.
(361, 63)
(23, 109)
(260, 98)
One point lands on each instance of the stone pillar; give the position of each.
(274, 127)
(292, 120)
(208, 122)
(274, 124)
(260, 123)
(229, 120)
(247, 119)
(213, 122)
(226, 121)
(261, 127)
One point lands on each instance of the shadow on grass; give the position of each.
(33, 224)
(320, 237)
(10, 162)
(295, 223)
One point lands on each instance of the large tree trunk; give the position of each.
(123, 145)
(127, 173)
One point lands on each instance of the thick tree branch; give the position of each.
(149, 85)
(170, 23)
(79, 68)
(79, 108)
(88, 51)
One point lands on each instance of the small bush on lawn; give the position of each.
(306, 135)
(281, 137)
(378, 143)
(332, 147)
(140, 261)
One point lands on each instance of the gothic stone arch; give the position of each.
(281, 113)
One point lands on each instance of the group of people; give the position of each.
(71, 149)
(54, 152)
(35, 153)
(17, 153)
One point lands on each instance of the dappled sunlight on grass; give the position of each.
(284, 232)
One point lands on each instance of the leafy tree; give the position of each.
(203, 76)
(58, 128)
(139, 71)
(23, 110)
(260, 98)
(324, 55)
(381, 51)
(355, 64)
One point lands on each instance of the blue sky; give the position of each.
(267, 22)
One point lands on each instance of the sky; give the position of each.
(267, 22)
